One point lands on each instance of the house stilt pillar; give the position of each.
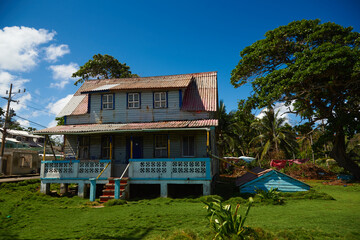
(163, 190)
(206, 189)
(45, 188)
(92, 189)
(64, 188)
(81, 190)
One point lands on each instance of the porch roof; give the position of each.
(128, 127)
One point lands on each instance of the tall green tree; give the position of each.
(315, 66)
(274, 135)
(103, 67)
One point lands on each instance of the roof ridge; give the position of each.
(184, 74)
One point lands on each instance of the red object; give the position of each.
(280, 164)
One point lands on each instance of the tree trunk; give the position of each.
(339, 154)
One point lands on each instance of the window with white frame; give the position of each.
(108, 101)
(161, 146)
(133, 100)
(188, 146)
(160, 100)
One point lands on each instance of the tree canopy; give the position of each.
(103, 66)
(313, 66)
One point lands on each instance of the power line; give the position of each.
(30, 121)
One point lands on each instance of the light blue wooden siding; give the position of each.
(274, 179)
(145, 114)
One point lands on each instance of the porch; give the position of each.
(161, 171)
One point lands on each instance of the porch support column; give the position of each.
(92, 189)
(163, 190)
(81, 188)
(45, 149)
(206, 188)
(117, 188)
(111, 147)
(208, 140)
(131, 147)
(45, 188)
(168, 146)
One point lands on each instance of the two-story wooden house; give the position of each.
(157, 131)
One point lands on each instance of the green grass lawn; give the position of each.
(27, 214)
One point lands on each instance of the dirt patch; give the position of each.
(337, 182)
(310, 171)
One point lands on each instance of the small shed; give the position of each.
(20, 161)
(265, 179)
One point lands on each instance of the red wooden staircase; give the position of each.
(109, 189)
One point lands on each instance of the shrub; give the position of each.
(225, 222)
(271, 196)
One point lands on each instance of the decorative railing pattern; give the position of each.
(74, 169)
(177, 168)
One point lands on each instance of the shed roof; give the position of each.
(200, 90)
(247, 178)
(122, 127)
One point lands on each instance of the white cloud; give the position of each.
(53, 52)
(6, 79)
(23, 123)
(18, 83)
(281, 109)
(56, 107)
(62, 74)
(53, 123)
(19, 47)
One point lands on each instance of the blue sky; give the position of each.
(43, 42)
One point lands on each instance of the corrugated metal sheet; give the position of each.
(201, 94)
(160, 82)
(71, 105)
(82, 108)
(268, 179)
(83, 128)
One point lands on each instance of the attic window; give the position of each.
(108, 101)
(160, 100)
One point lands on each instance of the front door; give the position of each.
(137, 147)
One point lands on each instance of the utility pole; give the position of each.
(3, 142)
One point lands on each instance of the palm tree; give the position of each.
(274, 136)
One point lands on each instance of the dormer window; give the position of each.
(133, 100)
(160, 99)
(107, 101)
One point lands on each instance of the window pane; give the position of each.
(110, 98)
(136, 97)
(163, 96)
(130, 97)
(136, 105)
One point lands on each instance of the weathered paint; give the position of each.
(274, 179)
(146, 112)
(148, 145)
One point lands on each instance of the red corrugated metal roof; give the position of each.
(83, 128)
(200, 93)
(159, 82)
(82, 108)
